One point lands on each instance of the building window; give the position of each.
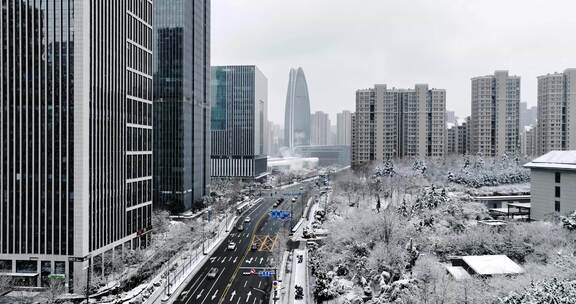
(557, 177)
(557, 206)
(557, 191)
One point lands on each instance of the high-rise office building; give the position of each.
(319, 128)
(557, 112)
(75, 136)
(181, 103)
(297, 112)
(239, 117)
(344, 128)
(396, 123)
(495, 119)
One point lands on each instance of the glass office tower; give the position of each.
(75, 136)
(181, 103)
(239, 116)
(297, 112)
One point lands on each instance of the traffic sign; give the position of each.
(265, 274)
(280, 214)
(275, 284)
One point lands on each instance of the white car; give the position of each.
(212, 273)
(247, 219)
(231, 246)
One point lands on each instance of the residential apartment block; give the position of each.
(397, 123)
(344, 128)
(557, 112)
(319, 128)
(458, 138)
(495, 119)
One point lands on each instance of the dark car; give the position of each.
(240, 227)
(255, 246)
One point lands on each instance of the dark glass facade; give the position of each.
(239, 116)
(182, 103)
(75, 132)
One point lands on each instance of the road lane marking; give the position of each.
(233, 294)
(245, 283)
(199, 294)
(257, 224)
(214, 295)
(209, 291)
(259, 283)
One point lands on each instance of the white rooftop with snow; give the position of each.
(555, 160)
(492, 264)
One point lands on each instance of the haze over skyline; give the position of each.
(344, 46)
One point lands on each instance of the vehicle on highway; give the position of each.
(240, 227)
(247, 219)
(255, 246)
(231, 246)
(212, 273)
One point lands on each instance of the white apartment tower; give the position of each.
(319, 128)
(344, 128)
(556, 112)
(396, 123)
(495, 119)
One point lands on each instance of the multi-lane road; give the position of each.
(234, 280)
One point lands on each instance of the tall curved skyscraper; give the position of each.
(297, 119)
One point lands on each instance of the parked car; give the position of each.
(231, 246)
(212, 273)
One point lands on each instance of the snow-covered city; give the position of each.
(287, 152)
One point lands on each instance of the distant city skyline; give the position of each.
(458, 39)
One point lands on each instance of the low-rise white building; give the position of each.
(553, 184)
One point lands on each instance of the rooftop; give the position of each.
(555, 160)
(492, 264)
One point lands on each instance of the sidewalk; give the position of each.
(299, 277)
(311, 209)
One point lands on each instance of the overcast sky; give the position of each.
(345, 45)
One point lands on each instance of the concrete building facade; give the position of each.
(239, 118)
(495, 119)
(319, 128)
(75, 137)
(397, 123)
(344, 128)
(553, 184)
(557, 111)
